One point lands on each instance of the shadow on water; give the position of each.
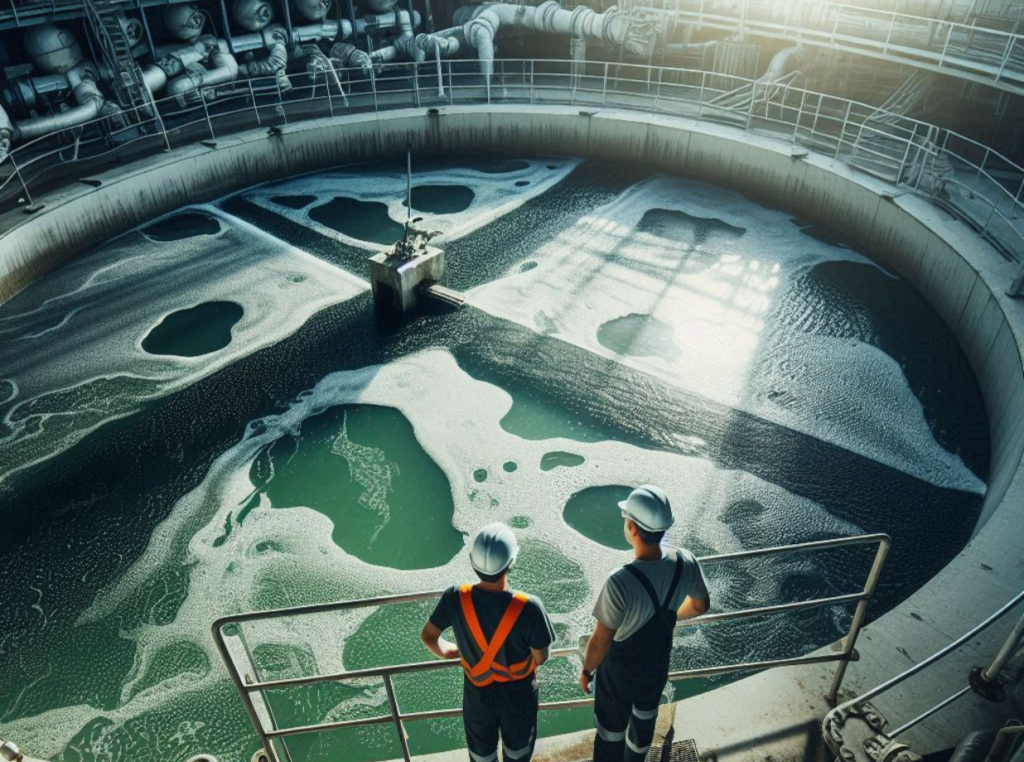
(196, 331)
(181, 226)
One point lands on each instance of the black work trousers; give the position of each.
(508, 708)
(625, 710)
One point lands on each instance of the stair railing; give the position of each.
(231, 639)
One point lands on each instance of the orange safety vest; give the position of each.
(488, 670)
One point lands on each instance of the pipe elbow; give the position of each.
(226, 62)
(350, 56)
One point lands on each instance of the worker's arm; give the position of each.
(431, 637)
(540, 655)
(597, 648)
(693, 607)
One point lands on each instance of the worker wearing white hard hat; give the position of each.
(501, 636)
(636, 614)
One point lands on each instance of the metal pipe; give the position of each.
(1010, 647)
(1003, 744)
(224, 69)
(948, 649)
(928, 713)
(482, 23)
(87, 96)
(858, 618)
(350, 56)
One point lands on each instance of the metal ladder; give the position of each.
(125, 75)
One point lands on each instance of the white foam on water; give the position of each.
(496, 194)
(85, 323)
(456, 420)
(716, 297)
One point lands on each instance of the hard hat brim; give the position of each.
(626, 514)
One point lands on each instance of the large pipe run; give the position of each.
(481, 24)
(82, 79)
(223, 69)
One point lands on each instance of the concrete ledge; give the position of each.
(960, 275)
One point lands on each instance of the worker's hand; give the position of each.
(585, 683)
(451, 652)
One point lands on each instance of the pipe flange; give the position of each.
(992, 690)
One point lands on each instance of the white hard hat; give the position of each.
(649, 508)
(494, 549)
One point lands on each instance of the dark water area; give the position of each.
(849, 300)
(441, 199)
(293, 202)
(593, 512)
(363, 220)
(195, 331)
(560, 459)
(182, 225)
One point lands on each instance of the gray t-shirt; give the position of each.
(624, 605)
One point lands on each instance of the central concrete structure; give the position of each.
(395, 281)
(775, 714)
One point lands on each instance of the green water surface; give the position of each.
(362, 467)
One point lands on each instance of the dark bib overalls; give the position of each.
(631, 679)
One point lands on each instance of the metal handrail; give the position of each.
(907, 149)
(269, 735)
(951, 56)
(925, 663)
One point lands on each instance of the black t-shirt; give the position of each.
(532, 630)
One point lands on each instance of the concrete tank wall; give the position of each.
(960, 274)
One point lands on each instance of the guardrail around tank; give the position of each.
(976, 183)
(230, 638)
(957, 48)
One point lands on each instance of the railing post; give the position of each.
(888, 36)
(981, 169)
(750, 111)
(451, 85)
(1006, 58)
(255, 106)
(945, 46)
(531, 80)
(906, 156)
(280, 100)
(206, 113)
(250, 708)
(842, 132)
(604, 85)
(835, 27)
(700, 97)
(799, 115)
(21, 179)
(263, 694)
(416, 83)
(396, 714)
(858, 619)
